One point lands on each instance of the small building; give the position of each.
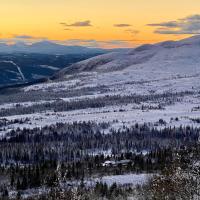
(113, 163)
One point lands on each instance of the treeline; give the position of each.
(5, 122)
(99, 191)
(178, 180)
(52, 173)
(98, 102)
(72, 142)
(64, 153)
(18, 95)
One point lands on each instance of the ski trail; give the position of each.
(18, 68)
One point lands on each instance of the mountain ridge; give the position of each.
(171, 51)
(47, 47)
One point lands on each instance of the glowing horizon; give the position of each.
(99, 23)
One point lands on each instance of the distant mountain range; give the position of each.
(47, 47)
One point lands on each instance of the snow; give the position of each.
(24, 104)
(131, 114)
(52, 85)
(127, 179)
(148, 70)
(132, 179)
(159, 69)
(49, 67)
(18, 68)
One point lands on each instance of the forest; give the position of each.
(62, 158)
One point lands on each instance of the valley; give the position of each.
(23, 63)
(102, 121)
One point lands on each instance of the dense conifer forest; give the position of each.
(63, 158)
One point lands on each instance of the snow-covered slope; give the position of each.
(145, 84)
(179, 57)
(173, 64)
(20, 67)
(10, 72)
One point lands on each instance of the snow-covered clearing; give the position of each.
(132, 179)
(24, 104)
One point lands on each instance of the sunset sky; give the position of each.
(99, 23)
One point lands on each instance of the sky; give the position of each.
(99, 23)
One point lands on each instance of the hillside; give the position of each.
(167, 58)
(167, 66)
(145, 84)
(120, 117)
(19, 68)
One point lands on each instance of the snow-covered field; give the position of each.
(118, 116)
(24, 104)
(132, 179)
(121, 180)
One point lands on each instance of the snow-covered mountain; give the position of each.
(171, 56)
(166, 61)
